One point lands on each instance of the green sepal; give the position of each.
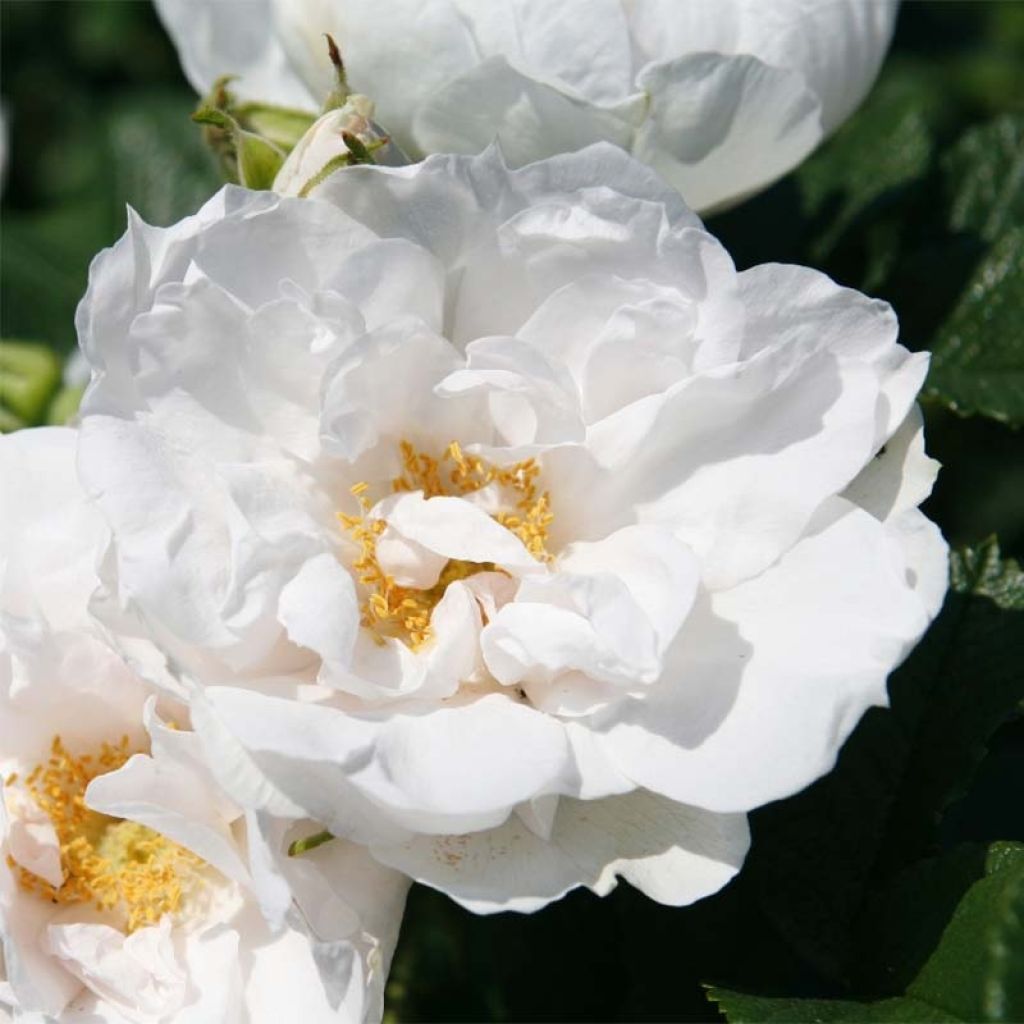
(257, 159)
(307, 843)
(282, 126)
(340, 93)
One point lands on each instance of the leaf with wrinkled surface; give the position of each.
(976, 973)
(978, 356)
(984, 173)
(816, 856)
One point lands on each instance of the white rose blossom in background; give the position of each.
(131, 889)
(491, 519)
(721, 97)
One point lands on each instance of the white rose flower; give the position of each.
(722, 97)
(494, 520)
(131, 889)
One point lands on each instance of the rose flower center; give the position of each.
(392, 610)
(116, 865)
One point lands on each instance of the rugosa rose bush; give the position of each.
(491, 519)
(720, 96)
(131, 888)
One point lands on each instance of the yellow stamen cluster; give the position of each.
(118, 866)
(391, 610)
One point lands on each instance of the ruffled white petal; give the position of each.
(49, 536)
(709, 114)
(720, 96)
(674, 854)
(605, 617)
(400, 771)
(235, 37)
(762, 703)
(530, 119)
(836, 47)
(900, 476)
(139, 975)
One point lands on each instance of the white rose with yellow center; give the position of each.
(492, 519)
(131, 888)
(720, 96)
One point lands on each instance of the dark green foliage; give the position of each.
(975, 973)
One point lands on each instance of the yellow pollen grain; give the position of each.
(390, 610)
(116, 865)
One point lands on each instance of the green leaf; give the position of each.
(978, 352)
(816, 857)
(905, 917)
(49, 253)
(978, 356)
(29, 374)
(144, 152)
(744, 1009)
(964, 681)
(157, 162)
(9, 422)
(976, 973)
(64, 406)
(984, 173)
(870, 160)
(983, 572)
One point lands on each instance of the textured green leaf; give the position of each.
(48, 254)
(871, 159)
(976, 973)
(983, 572)
(9, 422)
(29, 374)
(905, 917)
(158, 162)
(744, 1009)
(145, 153)
(985, 178)
(816, 857)
(978, 355)
(964, 681)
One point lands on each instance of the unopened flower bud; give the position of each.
(340, 138)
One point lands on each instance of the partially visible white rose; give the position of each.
(131, 889)
(496, 521)
(721, 97)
